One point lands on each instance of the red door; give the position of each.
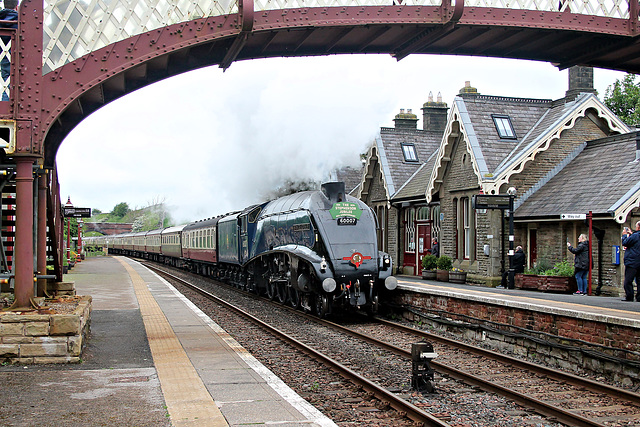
(424, 244)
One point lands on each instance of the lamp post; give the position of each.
(68, 205)
(511, 275)
(80, 222)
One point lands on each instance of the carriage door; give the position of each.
(424, 243)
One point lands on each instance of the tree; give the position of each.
(623, 98)
(120, 210)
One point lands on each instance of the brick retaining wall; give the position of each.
(564, 341)
(33, 338)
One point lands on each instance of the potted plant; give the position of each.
(457, 275)
(429, 265)
(560, 278)
(444, 264)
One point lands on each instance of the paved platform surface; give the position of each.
(153, 359)
(601, 308)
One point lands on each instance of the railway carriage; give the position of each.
(200, 246)
(171, 246)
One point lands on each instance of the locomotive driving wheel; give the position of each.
(294, 297)
(322, 306)
(271, 290)
(282, 292)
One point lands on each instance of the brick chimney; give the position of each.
(580, 81)
(406, 120)
(434, 114)
(468, 90)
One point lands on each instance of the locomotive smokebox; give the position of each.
(422, 379)
(334, 191)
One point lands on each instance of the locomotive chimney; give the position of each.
(334, 191)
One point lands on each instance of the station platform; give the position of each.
(587, 307)
(152, 359)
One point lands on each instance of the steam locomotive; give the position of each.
(315, 250)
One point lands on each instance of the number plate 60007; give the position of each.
(347, 221)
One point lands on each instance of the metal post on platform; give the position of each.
(41, 247)
(511, 276)
(68, 205)
(23, 252)
(590, 220)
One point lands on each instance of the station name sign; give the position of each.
(491, 201)
(77, 212)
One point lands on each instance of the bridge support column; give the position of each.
(23, 252)
(42, 234)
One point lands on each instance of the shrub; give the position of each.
(429, 262)
(444, 263)
(563, 269)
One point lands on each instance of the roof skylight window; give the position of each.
(504, 127)
(409, 152)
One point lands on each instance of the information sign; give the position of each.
(573, 216)
(77, 212)
(491, 201)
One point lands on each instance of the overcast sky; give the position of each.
(208, 142)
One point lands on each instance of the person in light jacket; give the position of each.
(581, 263)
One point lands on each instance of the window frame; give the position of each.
(412, 147)
(507, 133)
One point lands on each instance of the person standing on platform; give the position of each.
(9, 13)
(581, 263)
(435, 247)
(631, 243)
(518, 262)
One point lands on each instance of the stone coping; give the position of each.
(55, 333)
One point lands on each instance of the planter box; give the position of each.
(458, 277)
(528, 281)
(442, 275)
(429, 274)
(558, 284)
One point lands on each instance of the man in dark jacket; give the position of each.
(631, 243)
(9, 13)
(435, 247)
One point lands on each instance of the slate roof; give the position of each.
(415, 187)
(397, 171)
(528, 118)
(601, 178)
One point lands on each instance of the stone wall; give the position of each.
(42, 336)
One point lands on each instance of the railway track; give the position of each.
(400, 405)
(567, 398)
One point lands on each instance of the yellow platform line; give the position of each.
(187, 399)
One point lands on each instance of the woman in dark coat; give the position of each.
(581, 263)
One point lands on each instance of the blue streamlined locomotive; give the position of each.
(315, 249)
